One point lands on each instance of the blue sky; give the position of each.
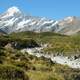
(55, 9)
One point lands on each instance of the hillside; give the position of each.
(15, 65)
(56, 42)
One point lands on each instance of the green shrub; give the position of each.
(9, 72)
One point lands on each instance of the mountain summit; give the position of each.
(11, 12)
(13, 9)
(14, 21)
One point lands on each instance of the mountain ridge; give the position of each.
(13, 20)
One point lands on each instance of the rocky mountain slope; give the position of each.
(13, 20)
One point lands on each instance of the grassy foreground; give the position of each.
(15, 65)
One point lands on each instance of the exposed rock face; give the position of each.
(9, 46)
(69, 25)
(72, 61)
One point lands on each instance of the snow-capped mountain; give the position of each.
(13, 20)
(69, 25)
